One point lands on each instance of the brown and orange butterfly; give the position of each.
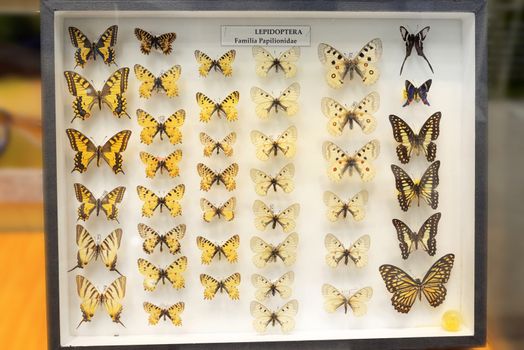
(148, 41)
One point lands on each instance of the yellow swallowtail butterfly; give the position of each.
(227, 108)
(169, 127)
(224, 64)
(171, 200)
(166, 81)
(153, 275)
(156, 313)
(212, 286)
(85, 49)
(209, 249)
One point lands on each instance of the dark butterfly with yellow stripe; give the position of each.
(86, 151)
(89, 50)
(224, 64)
(171, 239)
(108, 202)
(424, 238)
(155, 163)
(406, 289)
(86, 96)
(209, 249)
(166, 81)
(90, 249)
(111, 297)
(169, 127)
(421, 143)
(156, 313)
(413, 93)
(149, 41)
(416, 41)
(153, 275)
(212, 286)
(152, 201)
(425, 188)
(210, 177)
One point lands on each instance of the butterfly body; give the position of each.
(413, 93)
(416, 41)
(86, 49)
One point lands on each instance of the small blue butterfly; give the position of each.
(413, 93)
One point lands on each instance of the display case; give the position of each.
(240, 173)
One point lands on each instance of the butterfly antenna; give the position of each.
(114, 269)
(82, 321)
(76, 267)
(120, 322)
(429, 64)
(402, 67)
(72, 120)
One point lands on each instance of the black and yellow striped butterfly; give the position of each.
(111, 297)
(226, 108)
(424, 238)
(409, 189)
(212, 286)
(209, 249)
(169, 127)
(209, 177)
(90, 249)
(171, 239)
(156, 313)
(225, 211)
(89, 50)
(88, 202)
(421, 143)
(149, 41)
(153, 275)
(86, 96)
(222, 64)
(169, 163)
(152, 201)
(86, 151)
(166, 81)
(406, 289)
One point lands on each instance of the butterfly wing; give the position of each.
(172, 200)
(419, 45)
(210, 145)
(85, 149)
(264, 61)
(87, 201)
(364, 112)
(289, 99)
(335, 250)
(172, 126)
(433, 282)
(265, 102)
(146, 43)
(263, 144)
(231, 286)
(150, 199)
(285, 316)
(356, 205)
(338, 161)
(403, 134)
(209, 210)
(207, 177)
(151, 238)
(229, 106)
(423, 91)
(227, 144)
(205, 63)
(112, 93)
(154, 312)
(357, 302)
(225, 63)
(230, 248)
(333, 298)
(228, 176)
(85, 94)
(428, 184)
(175, 272)
(207, 107)
(84, 47)
(174, 312)
(105, 45)
(263, 215)
(169, 80)
(165, 42)
(208, 248)
(366, 59)
(337, 114)
(284, 178)
(284, 283)
(410, 92)
(113, 296)
(429, 132)
(173, 237)
(286, 142)
(363, 158)
(405, 187)
(288, 59)
(359, 251)
(263, 251)
(263, 286)
(109, 249)
(287, 249)
(210, 286)
(406, 237)
(150, 127)
(336, 64)
(109, 201)
(147, 80)
(171, 163)
(427, 232)
(86, 247)
(89, 298)
(227, 210)
(113, 148)
(335, 206)
(262, 316)
(151, 274)
(151, 162)
(404, 288)
(409, 41)
(287, 217)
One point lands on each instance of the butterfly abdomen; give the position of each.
(157, 85)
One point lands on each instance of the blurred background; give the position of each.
(22, 294)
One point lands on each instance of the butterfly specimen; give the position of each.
(265, 317)
(111, 297)
(267, 146)
(424, 188)
(226, 108)
(416, 143)
(166, 82)
(169, 127)
(264, 182)
(286, 61)
(338, 209)
(224, 64)
(286, 101)
(333, 299)
(210, 249)
(89, 248)
(211, 145)
(86, 151)
(412, 93)
(208, 177)
(210, 211)
(85, 49)
(107, 204)
(361, 114)
(339, 66)
(406, 289)
(357, 253)
(212, 286)
(171, 239)
(266, 288)
(340, 163)
(424, 238)
(149, 41)
(265, 252)
(414, 40)
(86, 96)
(265, 216)
(169, 163)
(153, 275)
(171, 200)
(156, 313)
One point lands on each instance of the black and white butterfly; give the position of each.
(414, 40)
(424, 239)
